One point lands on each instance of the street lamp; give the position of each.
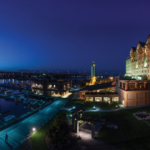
(33, 129)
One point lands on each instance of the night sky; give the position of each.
(68, 35)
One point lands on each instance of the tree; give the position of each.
(58, 134)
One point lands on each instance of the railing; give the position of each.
(4, 124)
(21, 141)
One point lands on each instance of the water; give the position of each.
(2, 81)
(14, 108)
(19, 131)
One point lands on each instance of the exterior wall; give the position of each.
(50, 88)
(139, 62)
(134, 98)
(84, 98)
(134, 84)
(128, 66)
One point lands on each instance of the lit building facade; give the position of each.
(105, 92)
(134, 87)
(51, 87)
(138, 63)
(134, 92)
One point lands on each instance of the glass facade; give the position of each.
(107, 99)
(128, 66)
(115, 99)
(131, 86)
(89, 99)
(141, 86)
(98, 99)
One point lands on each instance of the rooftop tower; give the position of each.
(93, 69)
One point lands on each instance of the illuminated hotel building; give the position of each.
(138, 63)
(134, 87)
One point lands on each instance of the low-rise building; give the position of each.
(105, 92)
(51, 87)
(134, 92)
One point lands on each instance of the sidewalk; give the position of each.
(111, 110)
(20, 131)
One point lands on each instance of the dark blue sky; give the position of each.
(69, 35)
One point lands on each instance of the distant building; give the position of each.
(51, 87)
(93, 69)
(94, 80)
(99, 90)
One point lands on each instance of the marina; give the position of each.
(20, 131)
(15, 103)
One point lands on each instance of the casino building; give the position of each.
(134, 87)
(138, 63)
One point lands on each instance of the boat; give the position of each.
(25, 101)
(21, 98)
(12, 97)
(3, 95)
(9, 117)
(41, 103)
(33, 101)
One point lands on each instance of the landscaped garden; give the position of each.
(73, 103)
(38, 139)
(132, 134)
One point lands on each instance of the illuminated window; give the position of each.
(107, 99)
(98, 99)
(115, 99)
(89, 99)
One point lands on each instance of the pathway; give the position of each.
(93, 143)
(111, 110)
(17, 132)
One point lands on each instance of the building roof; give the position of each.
(142, 44)
(134, 48)
(98, 86)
